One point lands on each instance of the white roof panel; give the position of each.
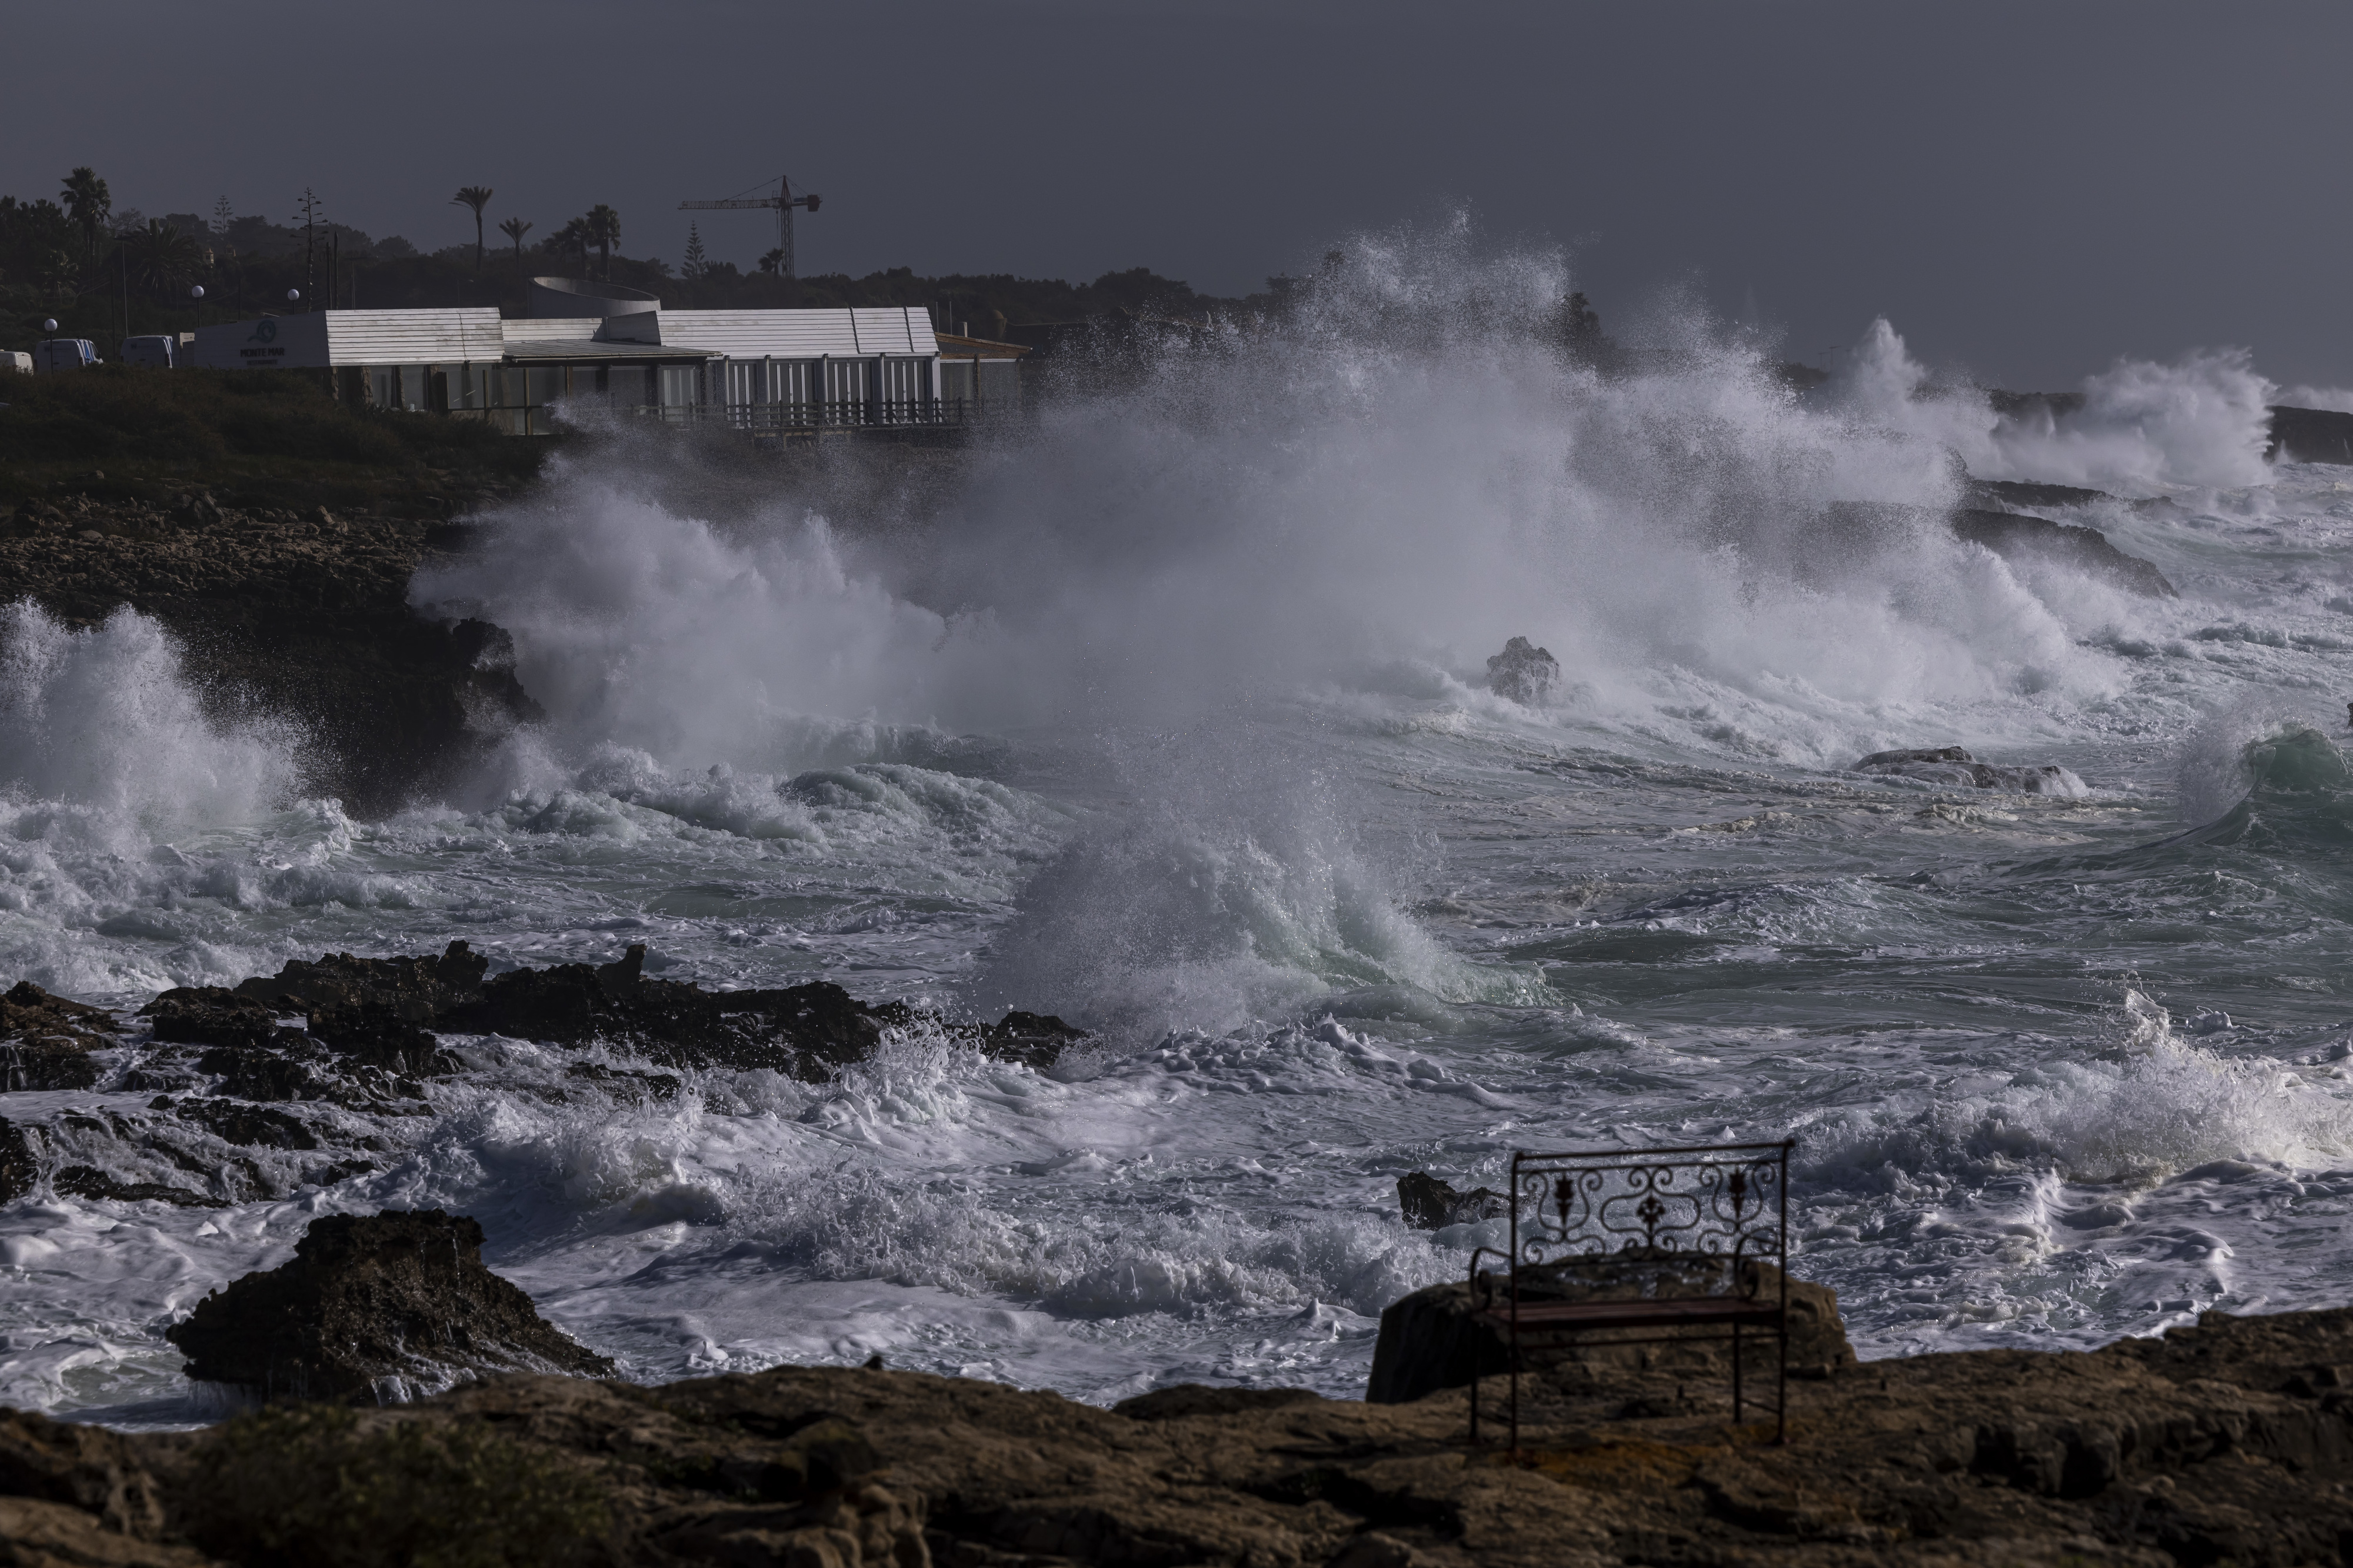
(800, 334)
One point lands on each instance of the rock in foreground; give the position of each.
(2226, 1442)
(374, 1309)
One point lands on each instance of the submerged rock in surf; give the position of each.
(1522, 672)
(1430, 1204)
(374, 1309)
(1956, 769)
(2015, 537)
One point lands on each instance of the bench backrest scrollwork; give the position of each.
(1672, 1213)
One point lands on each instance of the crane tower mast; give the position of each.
(782, 202)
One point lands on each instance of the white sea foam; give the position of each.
(1175, 721)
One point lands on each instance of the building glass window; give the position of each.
(678, 384)
(412, 388)
(544, 383)
(464, 383)
(511, 386)
(628, 385)
(384, 386)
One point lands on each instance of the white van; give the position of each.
(16, 360)
(156, 353)
(64, 353)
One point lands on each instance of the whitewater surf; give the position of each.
(1172, 720)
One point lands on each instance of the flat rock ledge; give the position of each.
(2228, 1441)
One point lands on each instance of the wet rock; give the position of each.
(808, 1031)
(2015, 537)
(374, 1308)
(1430, 1204)
(1522, 672)
(416, 990)
(1432, 1340)
(47, 1042)
(215, 1015)
(1036, 1040)
(248, 1126)
(20, 1165)
(2009, 494)
(2311, 435)
(1954, 768)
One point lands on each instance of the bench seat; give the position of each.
(1636, 1314)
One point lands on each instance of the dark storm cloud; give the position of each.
(2026, 189)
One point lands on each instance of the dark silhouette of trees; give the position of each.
(604, 226)
(514, 229)
(773, 262)
(697, 262)
(572, 239)
(87, 203)
(477, 197)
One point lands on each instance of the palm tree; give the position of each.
(161, 257)
(572, 239)
(87, 203)
(514, 229)
(604, 232)
(477, 197)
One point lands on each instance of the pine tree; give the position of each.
(224, 215)
(695, 258)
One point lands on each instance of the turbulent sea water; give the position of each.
(1173, 720)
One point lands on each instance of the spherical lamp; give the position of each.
(197, 292)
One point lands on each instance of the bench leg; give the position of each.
(1781, 1432)
(1515, 1396)
(1736, 1372)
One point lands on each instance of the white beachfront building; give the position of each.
(598, 345)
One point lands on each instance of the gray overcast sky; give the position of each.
(2028, 190)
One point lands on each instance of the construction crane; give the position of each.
(784, 201)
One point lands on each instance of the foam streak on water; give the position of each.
(1175, 724)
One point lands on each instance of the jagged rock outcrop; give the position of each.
(374, 1308)
(46, 1041)
(1430, 1204)
(2311, 435)
(1431, 1340)
(306, 612)
(256, 1087)
(2016, 537)
(372, 1022)
(1522, 672)
(2010, 494)
(2224, 1442)
(1953, 767)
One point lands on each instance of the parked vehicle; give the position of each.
(157, 352)
(64, 353)
(16, 360)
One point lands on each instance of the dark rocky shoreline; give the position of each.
(2225, 1442)
(299, 616)
(287, 1065)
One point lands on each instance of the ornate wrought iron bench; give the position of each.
(1664, 1240)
